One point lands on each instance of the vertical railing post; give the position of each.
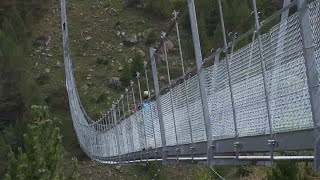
(158, 99)
(143, 118)
(199, 60)
(134, 113)
(185, 85)
(126, 121)
(114, 113)
(120, 129)
(236, 143)
(150, 109)
(108, 137)
(312, 74)
(163, 37)
(130, 125)
(272, 142)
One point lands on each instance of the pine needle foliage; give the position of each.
(41, 156)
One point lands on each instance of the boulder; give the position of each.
(130, 40)
(43, 40)
(120, 68)
(130, 61)
(114, 82)
(141, 53)
(162, 78)
(58, 64)
(169, 45)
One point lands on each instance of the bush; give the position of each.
(284, 171)
(133, 2)
(42, 154)
(152, 170)
(102, 61)
(131, 69)
(204, 174)
(57, 99)
(152, 37)
(163, 8)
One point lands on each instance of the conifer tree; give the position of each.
(42, 154)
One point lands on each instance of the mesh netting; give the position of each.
(168, 119)
(156, 123)
(289, 98)
(315, 24)
(181, 114)
(287, 89)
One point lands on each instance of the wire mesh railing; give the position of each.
(258, 98)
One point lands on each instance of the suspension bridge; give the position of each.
(250, 105)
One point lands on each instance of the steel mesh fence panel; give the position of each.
(314, 8)
(104, 145)
(123, 137)
(109, 143)
(168, 119)
(140, 121)
(100, 145)
(287, 80)
(219, 101)
(128, 127)
(112, 145)
(196, 111)
(248, 90)
(148, 125)
(156, 123)
(181, 114)
(135, 132)
(210, 76)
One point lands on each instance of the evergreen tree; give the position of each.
(42, 154)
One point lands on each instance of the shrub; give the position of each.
(152, 37)
(42, 154)
(133, 2)
(57, 99)
(102, 61)
(152, 170)
(163, 8)
(284, 171)
(204, 174)
(131, 69)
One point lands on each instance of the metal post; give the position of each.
(215, 74)
(127, 92)
(312, 74)
(285, 14)
(198, 54)
(151, 113)
(120, 119)
(143, 116)
(114, 112)
(158, 99)
(163, 36)
(123, 111)
(119, 111)
(135, 114)
(272, 142)
(236, 143)
(124, 117)
(192, 149)
(107, 126)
